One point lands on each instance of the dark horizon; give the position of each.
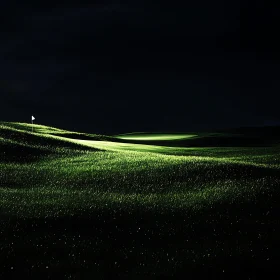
(116, 67)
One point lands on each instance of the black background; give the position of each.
(120, 66)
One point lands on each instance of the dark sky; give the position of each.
(121, 66)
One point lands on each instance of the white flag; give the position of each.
(33, 118)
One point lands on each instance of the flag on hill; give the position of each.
(32, 119)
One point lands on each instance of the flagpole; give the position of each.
(32, 124)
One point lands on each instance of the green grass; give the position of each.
(154, 136)
(247, 137)
(189, 201)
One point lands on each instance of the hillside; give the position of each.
(117, 210)
(19, 143)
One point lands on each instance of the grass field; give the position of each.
(85, 206)
(154, 136)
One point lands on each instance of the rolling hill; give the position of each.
(92, 206)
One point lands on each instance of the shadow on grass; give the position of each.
(226, 241)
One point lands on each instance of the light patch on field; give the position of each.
(155, 137)
(116, 146)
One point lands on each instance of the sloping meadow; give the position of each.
(24, 146)
(128, 180)
(101, 208)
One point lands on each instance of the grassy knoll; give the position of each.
(95, 209)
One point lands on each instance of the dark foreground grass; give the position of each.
(134, 212)
(227, 241)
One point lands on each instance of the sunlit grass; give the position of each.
(42, 129)
(155, 136)
(79, 175)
